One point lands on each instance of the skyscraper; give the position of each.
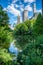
(35, 13)
(42, 7)
(34, 8)
(25, 15)
(18, 19)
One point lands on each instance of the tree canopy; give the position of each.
(30, 41)
(22, 34)
(4, 19)
(38, 25)
(27, 36)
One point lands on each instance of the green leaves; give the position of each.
(38, 25)
(20, 29)
(22, 33)
(4, 19)
(29, 37)
(5, 37)
(5, 31)
(4, 55)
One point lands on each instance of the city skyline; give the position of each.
(15, 7)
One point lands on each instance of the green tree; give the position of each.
(5, 31)
(5, 37)
(4, 19)
(32, 54)
(22, 34)
(38, 25)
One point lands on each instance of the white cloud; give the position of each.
(12, 10)
(16, 5)
(5, 9)
(28, 7)
(29, 1)
(39, 11)
(13, 1)
(21, 9)
(15, 22)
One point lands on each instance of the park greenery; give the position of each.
(27, 36)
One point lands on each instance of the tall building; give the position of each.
(34, 8)
(42, 7)
(18, 19)
(25, 15)
(35, 13)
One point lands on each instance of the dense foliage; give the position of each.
(22, 34)
(4, 19)
(5, 38)
(38, 26)
(27, 36)
(30, 41)
(5, 33)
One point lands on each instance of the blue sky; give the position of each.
(16, 7)
(13, 49)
